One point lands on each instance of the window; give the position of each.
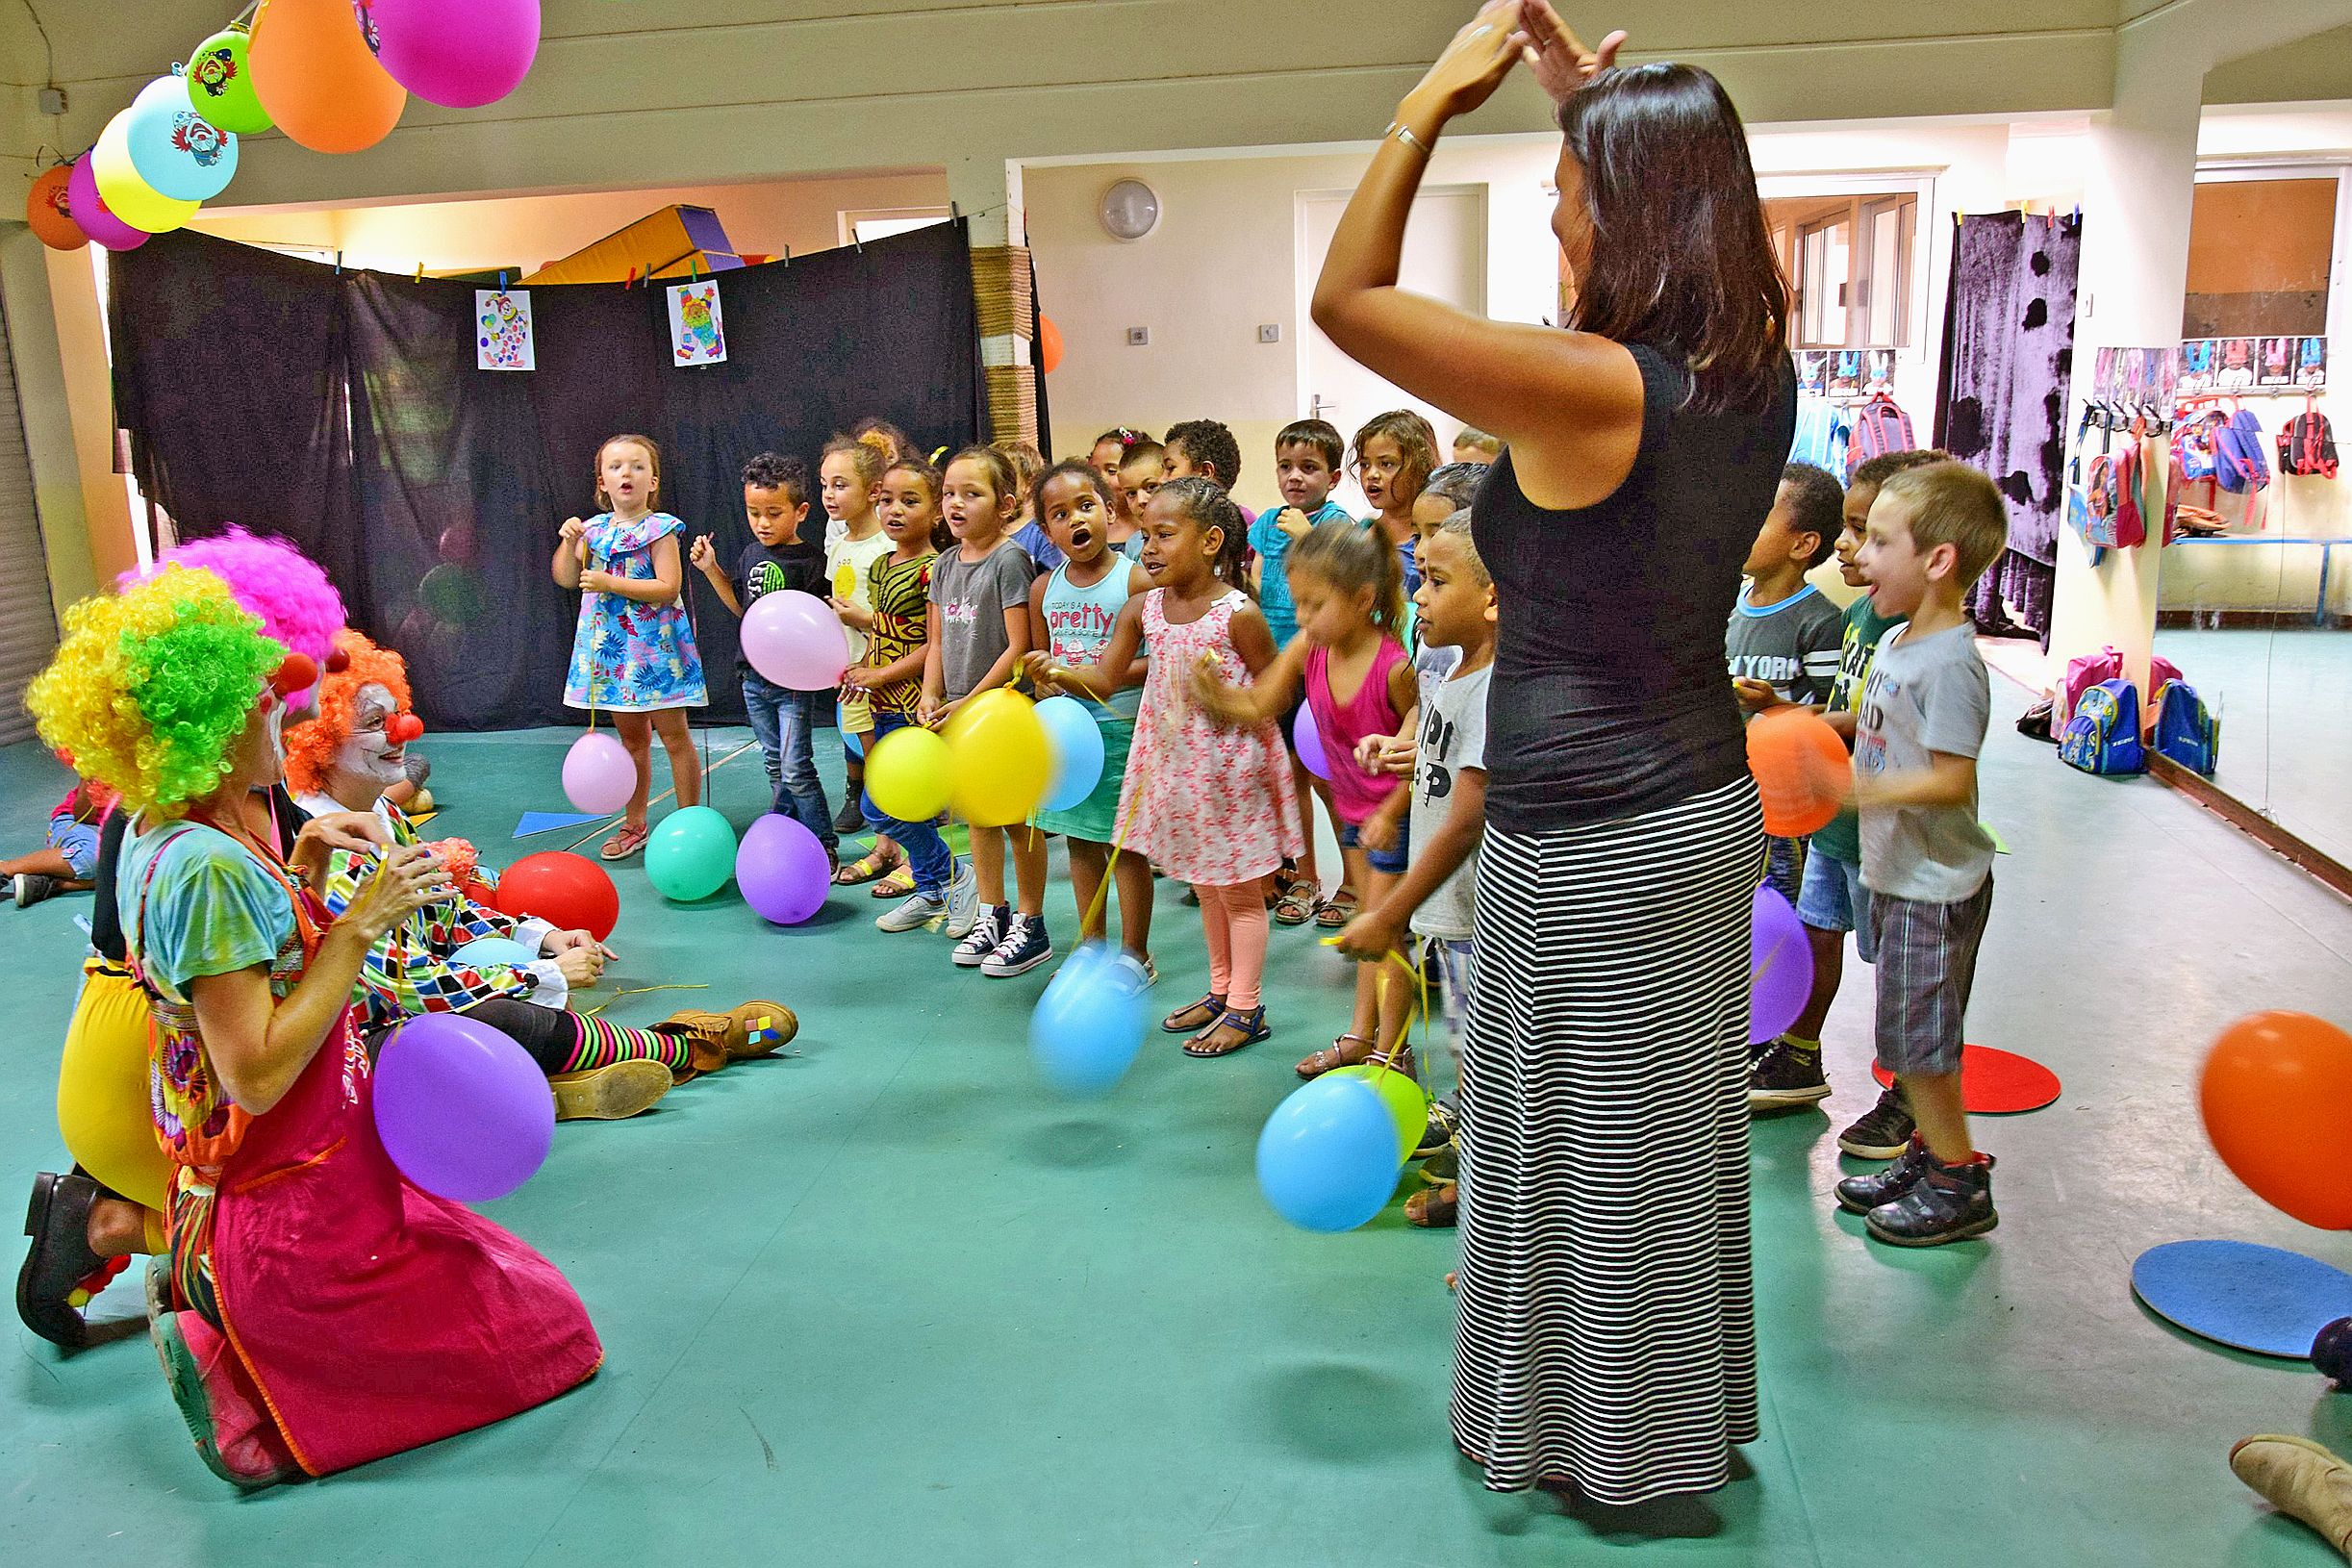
(879, 224)
(1849, 258)
(2259, 251)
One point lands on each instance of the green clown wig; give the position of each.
(152, 687)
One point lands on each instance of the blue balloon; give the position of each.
(175, 150)
(1075, 743)
(1090, 1023)
(1327, 1159)
(485, 950)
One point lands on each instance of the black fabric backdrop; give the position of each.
(343, 410)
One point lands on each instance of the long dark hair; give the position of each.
(1682, 258)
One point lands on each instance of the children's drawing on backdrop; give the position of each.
(1878, 371)
(2275, 364)
(2197, 358)
(1812, 371)
(698, 330)
(1846, 373)
(502, 330)
(2312, 362)
(2234, 364)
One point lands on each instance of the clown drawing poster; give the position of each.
(503, 330)
(698, 330)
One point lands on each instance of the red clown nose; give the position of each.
(298, 671)
(403, 728)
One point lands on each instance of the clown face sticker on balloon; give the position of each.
(503, 330)
(697, 331)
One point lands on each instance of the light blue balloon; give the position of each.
(485, 950)
(1075, 743)
(1327, 1159)
(1090, 1023)
(177, 151)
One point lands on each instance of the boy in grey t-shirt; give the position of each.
(1926, 860)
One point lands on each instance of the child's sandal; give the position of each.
(1337, 910)
(898, 884)
(1337, 1055)
(866, 868)
(625, 842)
(1295, 905)
(1198, 1016)
(1247, 1025)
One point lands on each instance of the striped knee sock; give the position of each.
(601, 1045)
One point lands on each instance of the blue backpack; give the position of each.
(2238, 464)
(2185, 730)
(2103, 737)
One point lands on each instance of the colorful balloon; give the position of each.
(219, 83)
(462, 1109)
(1048, 346)
(908, 774)
(1090, 1023)
(102, 1089)
(997, 750)
(2277, 1100)
(783, 870)
(127, 196)
(48, 210)
(1328, 1157)
(90, 214)
(1407, 1106)
(317, 78)
(457, 53)
(178, 152)
(485, 950)
(569, 892)
(1780, 966)
(796, 640)
(599, 775)
(690, 854)
(1306, 742)
(1801, 767)
(1075, 741)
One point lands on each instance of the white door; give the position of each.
(1444, 258)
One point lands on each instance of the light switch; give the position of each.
(1270, 333)
(1138, 337)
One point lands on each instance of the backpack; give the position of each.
(2193, 445)
(2103, 737)
(2307, 445)
(2185, 730)
(2130, 522)
(1879, 427)
(2240, 467)
(2107, 665)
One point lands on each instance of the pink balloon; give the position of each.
(599, 775)
(94, 215)
(796, 640)
(782, 870)
(457, 53)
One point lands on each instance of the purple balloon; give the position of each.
(462, 1110)
(599, 775)
(91, 212)
(460, 54)
(1307, 741)
(1780, 967)
(782, 870)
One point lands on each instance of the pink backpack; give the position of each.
(1879, 427)
(2106, 664)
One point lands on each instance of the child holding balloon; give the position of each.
(1345, 581)
(850, 479)
(634, 654)
(1078, 605)
(1206, 801)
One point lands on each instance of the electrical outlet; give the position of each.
(1139, 337)
(53, 101)
(1270, 333)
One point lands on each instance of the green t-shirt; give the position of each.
(1865, 628)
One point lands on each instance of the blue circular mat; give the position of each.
(2259, 1299)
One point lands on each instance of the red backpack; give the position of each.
(1879, 427)
(2307, 447)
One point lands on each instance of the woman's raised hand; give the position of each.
(1474, 64)
(404, 880)
(1556, 55)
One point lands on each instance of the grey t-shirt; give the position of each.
(1926, 695)
(1791, 646)
(972, 597)
(1453, 737)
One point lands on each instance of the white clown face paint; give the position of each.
(367, 750)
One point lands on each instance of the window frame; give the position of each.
(2337, 319)
(1863, 193)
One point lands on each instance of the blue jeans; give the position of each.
(927, 852)
(781, 718)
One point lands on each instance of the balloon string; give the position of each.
(639, 991)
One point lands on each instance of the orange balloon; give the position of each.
(49, 215)
(317, 77)
(1800, 769)
(1049, 344)
(2277, 1098)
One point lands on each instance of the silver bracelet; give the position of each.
(1405, 133)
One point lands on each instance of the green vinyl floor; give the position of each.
(889, 1302)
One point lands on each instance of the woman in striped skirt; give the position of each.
(1606, 1339)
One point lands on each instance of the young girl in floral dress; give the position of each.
(634, 655)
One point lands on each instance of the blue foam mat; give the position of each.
(2260, 1299)
(548, 822)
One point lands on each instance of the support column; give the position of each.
(987, 189)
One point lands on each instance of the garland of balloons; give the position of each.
(332, 75)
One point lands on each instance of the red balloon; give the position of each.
(1049, 344)
(1801, 770)
(569, 892)
(2277, 1098)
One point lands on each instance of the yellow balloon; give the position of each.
(126, 195)
(102, 1094)
(1001, 759)
(906, 772)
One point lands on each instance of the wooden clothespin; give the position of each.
(339, 263)
(629, 282)
(421, 271)
(503, 283)
(788, 256)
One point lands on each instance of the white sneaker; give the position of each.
(1024, 946)
(914, 910)
(963, 903)
(987, 934)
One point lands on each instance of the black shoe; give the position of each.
(1438, 1131)
(1947, 1203)
(850, 819)
(1860, 1194)
(60, 1259)
(1786, 1078)
(1882, 1132)
(32, 887)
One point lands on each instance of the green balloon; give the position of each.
(1407, 1106)
(692, 853)
(452, 592)
(220, 86)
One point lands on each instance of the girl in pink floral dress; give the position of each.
(1209, 803)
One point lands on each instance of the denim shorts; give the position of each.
(78, 842)
(1388, 862)
(1834, 899)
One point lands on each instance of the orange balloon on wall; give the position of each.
(47, 213)
(319, 78)
(1800, 769)
(1049, 344)
(2277, 1098)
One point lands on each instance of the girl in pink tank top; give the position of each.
(1348, 590)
